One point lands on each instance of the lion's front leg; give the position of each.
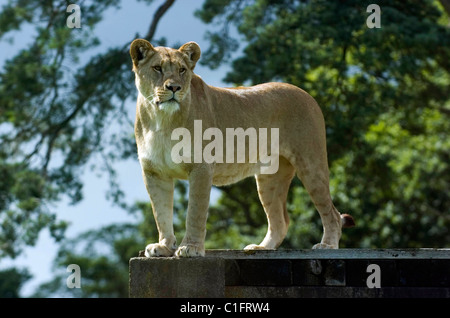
(161, 196)
(200, 182)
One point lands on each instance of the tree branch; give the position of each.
(158, 15)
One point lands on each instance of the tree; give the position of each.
(11, 281)
(54, 112)
(384, 95)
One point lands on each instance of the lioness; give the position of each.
(172, 96)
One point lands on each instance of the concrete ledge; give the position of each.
(294, 273)
(173, 277)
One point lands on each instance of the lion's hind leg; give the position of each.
(272, 191)
(316, 181)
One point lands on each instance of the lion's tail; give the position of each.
(347, 221)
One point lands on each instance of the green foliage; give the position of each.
(11, 280)
(236, 217)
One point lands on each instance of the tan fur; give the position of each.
(302, 146)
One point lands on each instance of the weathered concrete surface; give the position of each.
(174, 277)
(288, 273)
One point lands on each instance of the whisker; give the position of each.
(150, 98)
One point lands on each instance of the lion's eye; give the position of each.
(182, 70)
(157, 68)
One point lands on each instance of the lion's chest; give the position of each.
(155, 155)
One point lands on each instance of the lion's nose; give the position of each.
(174, 88)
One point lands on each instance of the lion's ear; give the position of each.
(139, 50)
(192, 50)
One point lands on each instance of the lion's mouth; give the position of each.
(159, 101)
(169, 100)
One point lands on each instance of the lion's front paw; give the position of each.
(324, 246)
(158, 250)
(253, 247)
(190, 250)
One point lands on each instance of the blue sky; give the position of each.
(119, 26)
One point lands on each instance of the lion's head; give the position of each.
(163, 75)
